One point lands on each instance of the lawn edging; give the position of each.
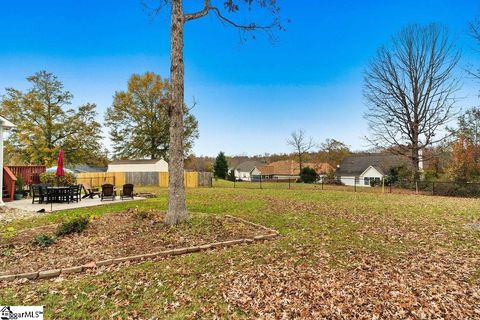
(48, 274)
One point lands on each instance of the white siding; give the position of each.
(159, 166)
(371, 172)
(243, 175)
(347, 180)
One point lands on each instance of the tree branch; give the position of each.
(198, 14)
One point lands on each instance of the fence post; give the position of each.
(288, 182)
(261, 182)
(416, 186)
(354, 184)
(234, 182)
(322, 183)
(433, 188)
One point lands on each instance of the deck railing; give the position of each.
(9, 183)
(30, 174)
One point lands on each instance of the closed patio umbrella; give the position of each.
(60, 172)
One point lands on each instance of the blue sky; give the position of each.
(250, 95)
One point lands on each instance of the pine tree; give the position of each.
(220, 168)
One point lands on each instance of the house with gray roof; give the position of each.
(367, 169)
(245, 170)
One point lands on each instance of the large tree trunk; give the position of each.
(177, 208)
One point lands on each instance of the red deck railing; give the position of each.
(9, 183)
(30, 174)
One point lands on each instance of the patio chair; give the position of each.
(75, 192)
(108, 192)
(89, 191)
(37, 193)
(127, 191)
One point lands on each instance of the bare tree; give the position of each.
(225, 11)
(410, 91)
(474, 28)
(300, 145)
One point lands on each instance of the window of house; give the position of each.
(372, 180)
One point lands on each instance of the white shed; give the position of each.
(147, 165)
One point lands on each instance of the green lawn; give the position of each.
(341, 255)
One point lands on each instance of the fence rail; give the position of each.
(380, 185)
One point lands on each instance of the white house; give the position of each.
(365, 170)
(245, 170)
(155, 165)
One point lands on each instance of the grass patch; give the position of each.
(352, 247)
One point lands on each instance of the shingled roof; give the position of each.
(248, 166)
(139, 161)
(355, 165)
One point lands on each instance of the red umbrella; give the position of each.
(60, 172)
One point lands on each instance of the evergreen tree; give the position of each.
(308, 175)
(220, 168)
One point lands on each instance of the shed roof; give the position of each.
(87, 168)
(140, 161)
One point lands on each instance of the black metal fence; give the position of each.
(372, 184)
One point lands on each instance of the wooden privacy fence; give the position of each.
(96, 179)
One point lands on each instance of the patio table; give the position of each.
(58, 194)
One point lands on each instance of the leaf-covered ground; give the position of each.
(342, 255)
(115, 235)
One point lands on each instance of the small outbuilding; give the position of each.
(143, 165)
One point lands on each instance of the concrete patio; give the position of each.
(26, 204)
